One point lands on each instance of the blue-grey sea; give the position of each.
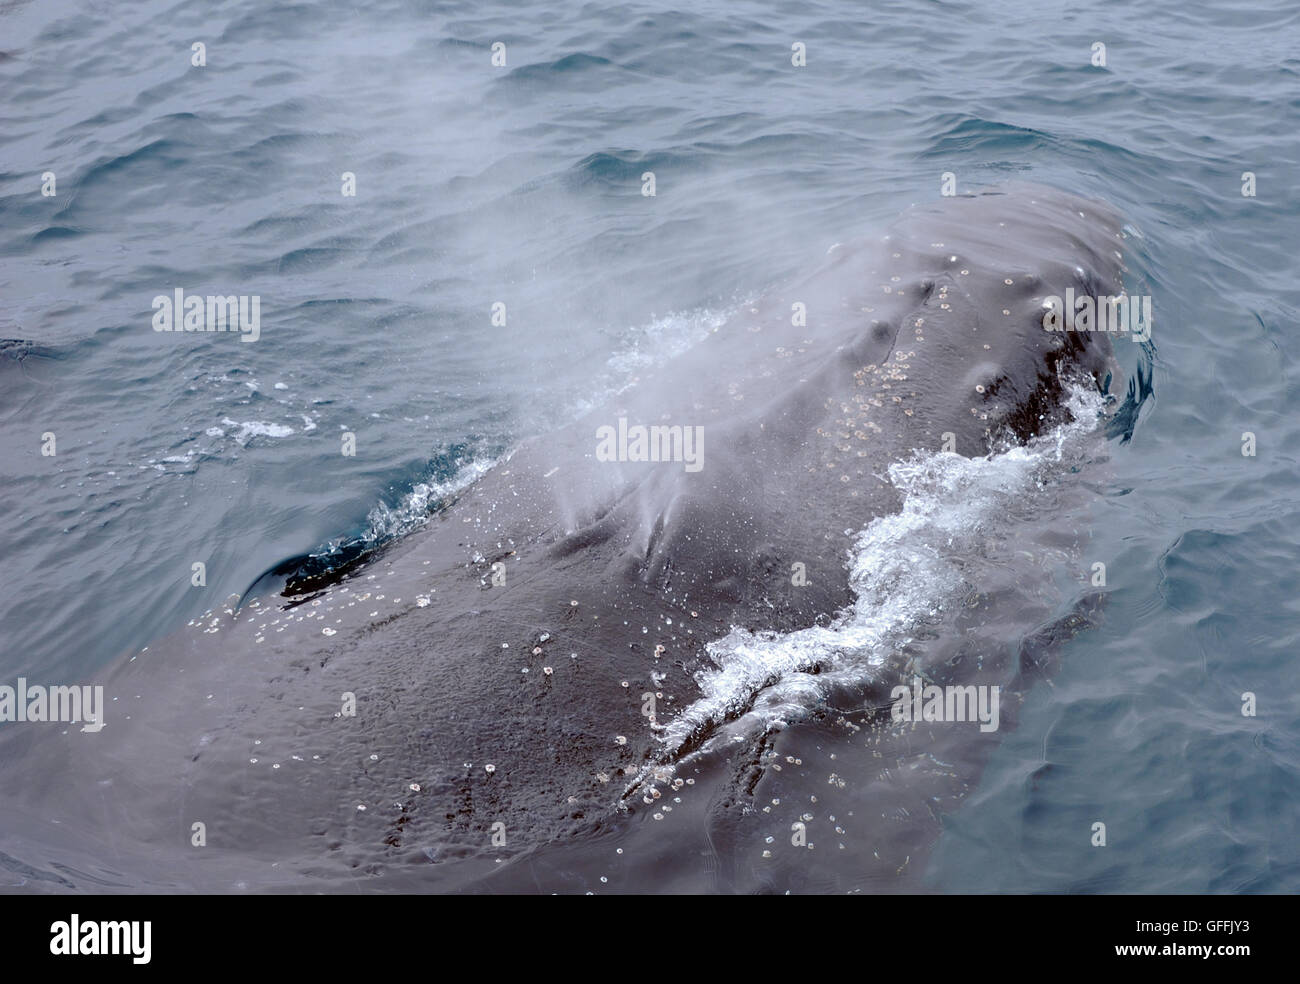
(499, 270)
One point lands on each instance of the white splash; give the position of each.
(655, 343)
(249, 429)
(647, 347)
(904, 568)
(412, 511)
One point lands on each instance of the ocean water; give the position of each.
(520, 184)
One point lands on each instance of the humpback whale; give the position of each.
(671, 628)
